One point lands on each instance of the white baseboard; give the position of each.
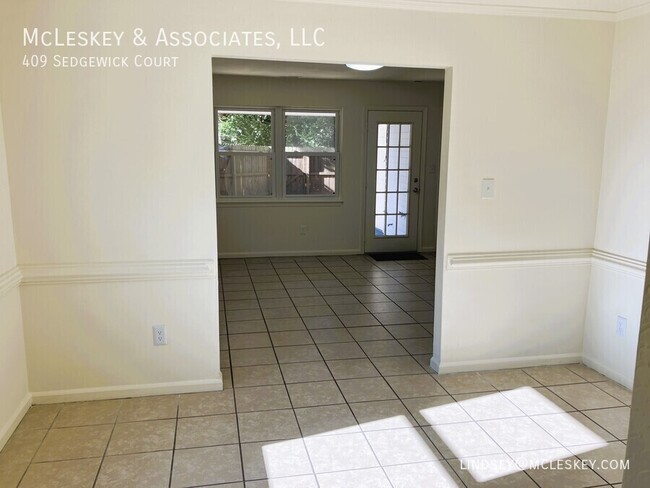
(610, 373)
(434, 363)
(8, 428)
(280, 254)
(127, 391)
(504, 363)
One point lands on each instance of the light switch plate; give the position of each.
(487, 188)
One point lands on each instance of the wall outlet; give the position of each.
(487, 188)
(621, 326)
(159, 335)
(302, 229)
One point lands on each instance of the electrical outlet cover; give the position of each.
(621, 326)
(159, 335)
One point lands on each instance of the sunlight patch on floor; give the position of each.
(497, 438)
(490, 435)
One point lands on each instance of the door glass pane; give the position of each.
(381, 158)
(380, 204)
(394, 135)
(381, 181)
(391, 204)
(403, 203)
(382, 135)
(405, 136)
(391, 227)
(401, 225)
(403, 181)
(380, 225)
(393, 158)
(404, 158)
(393, 180)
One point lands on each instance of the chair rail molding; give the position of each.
(558, 257)
(9, 280)
(68, 273)
(628, 266)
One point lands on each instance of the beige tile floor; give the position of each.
(329, 362)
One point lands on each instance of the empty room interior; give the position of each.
(324, 244)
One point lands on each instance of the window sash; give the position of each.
(269, 174)
(334, 157)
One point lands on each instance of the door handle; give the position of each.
(416, 189)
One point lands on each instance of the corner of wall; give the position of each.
(16, 398)
(622, 226)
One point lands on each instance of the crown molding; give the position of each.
(485, 9)
(632, 12)
(9, 280)
(47, 274)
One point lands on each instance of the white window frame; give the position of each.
(270, 155)
(278, 157)
(335, 155)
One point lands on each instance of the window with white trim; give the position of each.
(257, 158)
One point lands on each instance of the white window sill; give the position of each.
(289, 202)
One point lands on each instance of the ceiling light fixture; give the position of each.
(364, 67)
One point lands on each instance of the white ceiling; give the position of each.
(247, 67)
(610, 10)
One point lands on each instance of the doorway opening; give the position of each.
(316, 166)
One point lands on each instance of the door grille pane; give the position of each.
(392, 180)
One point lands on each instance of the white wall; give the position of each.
(117, 166)
(270, 229)
(13, 367)
(624, 207)
(638, 450)
(113, 195)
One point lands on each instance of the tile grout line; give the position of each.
(286, 389)
(171, 464)
(315, 343)
(349, 408)
(232, 382)
(370, 360)
(309, 331)
(101, 463)
(31, 461)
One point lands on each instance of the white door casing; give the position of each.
(392, 180)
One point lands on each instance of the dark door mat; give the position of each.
(395, 256)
